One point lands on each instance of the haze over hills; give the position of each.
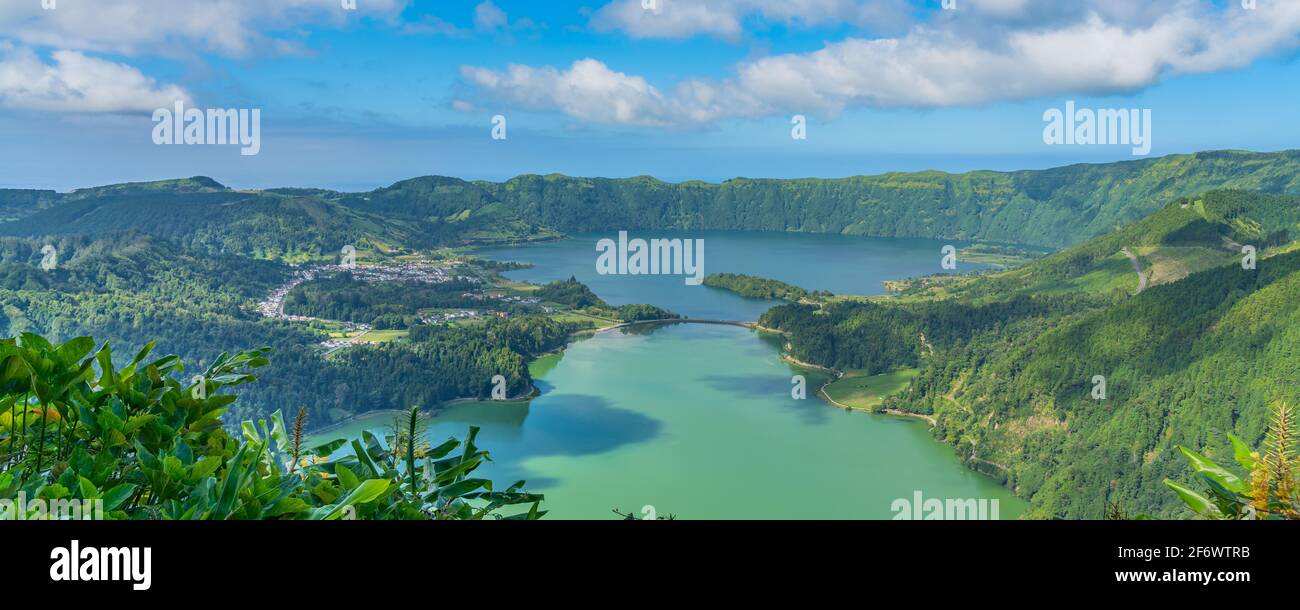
(1054, 207)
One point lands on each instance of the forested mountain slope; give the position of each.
(19, 203)
(263, 225)
(1009, 362)
(1053, 207)
(1183, 364)
(1189, 234)
(132, 288)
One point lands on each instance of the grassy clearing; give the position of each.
(382, 336)
(1170, 264)
(579, 317)
(861, 391)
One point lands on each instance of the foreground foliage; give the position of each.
(1270, 489)
(149, 447)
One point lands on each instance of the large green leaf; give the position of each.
(326, 449)
(365, 493)
(1198, 503)
(114, 497)
(1207, 468)
(1242, 453)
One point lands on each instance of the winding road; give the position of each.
(1137, 265)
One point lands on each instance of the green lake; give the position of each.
(698, 420)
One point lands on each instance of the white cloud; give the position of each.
(178, 27)
(77, 83)
(727, 18)
(1108, 49)
(487, 16)
(588, 89)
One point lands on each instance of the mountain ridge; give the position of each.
(1052, 207)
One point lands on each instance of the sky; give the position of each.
(358, 97)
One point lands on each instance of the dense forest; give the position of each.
(753, 287)
(577, 295)
(1053, 207)
(1011, 363)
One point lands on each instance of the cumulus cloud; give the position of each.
(727, 18)
(1010, 54)
(588, 89)
(178, 27)
(77, 83)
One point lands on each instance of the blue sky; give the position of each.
(691, 89)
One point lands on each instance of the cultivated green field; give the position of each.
(579, 317)
(382, 336)
(860, 391)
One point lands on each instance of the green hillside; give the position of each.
(1008, 360)
(1188, 235)
(1053, 207)
(218, 220)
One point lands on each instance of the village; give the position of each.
(343, 334)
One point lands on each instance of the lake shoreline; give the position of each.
(838, 374)
(433, 411)
(580, 412)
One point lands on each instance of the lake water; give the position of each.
(698, 420)
(839, 263)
